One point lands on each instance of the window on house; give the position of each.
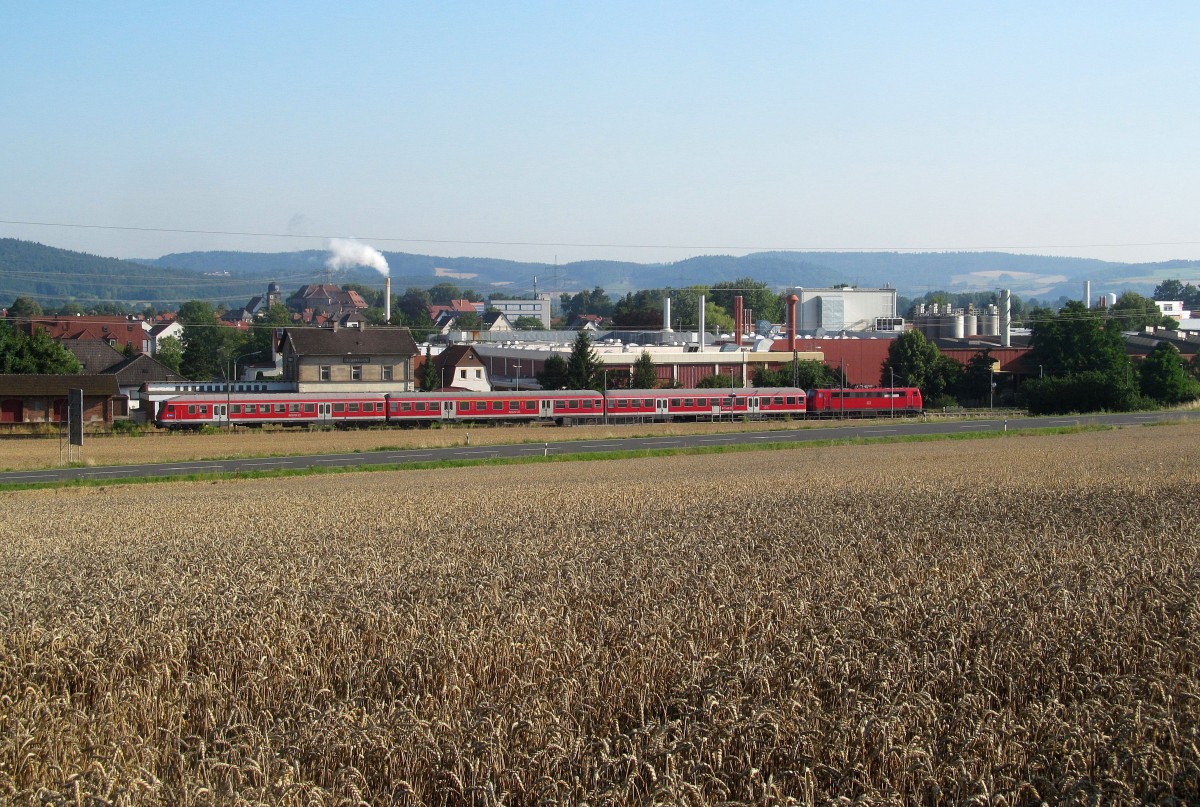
(387, 372)
(356, 373)
(479, 373)
(326, 372)
(462, 373)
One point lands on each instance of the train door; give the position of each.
(220, 413)
(448, 412)
(660, 408)
(752, 405)
(324, 412)
(547, 408)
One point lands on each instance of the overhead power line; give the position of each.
(609, 245)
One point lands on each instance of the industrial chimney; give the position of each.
(387, 300)
(700, 328)
(667, 314)
(739, 327)
(791, 322)
(1005, 318)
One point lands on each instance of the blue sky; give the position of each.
(693, 128)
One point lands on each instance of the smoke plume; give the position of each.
(346, 252)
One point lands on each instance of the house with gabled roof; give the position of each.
(461, 367)
(339, 359)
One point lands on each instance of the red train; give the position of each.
(865, 402)
(564, 407)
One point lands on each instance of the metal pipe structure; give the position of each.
(667, 314)
(387, 300)
(700, 327)
(738, 326)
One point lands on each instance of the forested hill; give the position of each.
(55, 276)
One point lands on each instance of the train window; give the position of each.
(791, 399)
(498, 406)
(560, 404)
(421, 406)
(405, 406)
(647, 403)
(464, 406)
(587, 404)
(280, 407)
(531, 405)
(294, 408)
(310, 409)
(513, 406)
(191, 410)
(674, 402)
(778, 401)
(688, 402)
(352, 407)
(574, 404)
(235, 409)
(203, 410)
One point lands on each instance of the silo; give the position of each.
(959, 326)
(971, 325)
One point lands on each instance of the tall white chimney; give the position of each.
(667, 314)
(1087, 294)
(1006, 318)
(387, 300)
(700, 329)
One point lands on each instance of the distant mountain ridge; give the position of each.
(53, 276)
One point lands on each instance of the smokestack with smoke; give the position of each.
(346, 252)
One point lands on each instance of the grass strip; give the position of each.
(596, 456)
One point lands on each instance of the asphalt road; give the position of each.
(861, 428)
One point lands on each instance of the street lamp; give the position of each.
(517, 365)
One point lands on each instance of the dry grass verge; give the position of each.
(1001, 622)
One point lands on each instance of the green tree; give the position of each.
(1162, 376)
(1135, 312)
(1078, 339)
(205, 343)
(428, 379)
(974, 387)
(529, 324)
(717, 381)
(583, 367)
(24, 308)
(468, 321)
(554, 374)
(803, 373)
(170, 352)
(914, 361)
(645, 376)
(34, 355)
(755, 295)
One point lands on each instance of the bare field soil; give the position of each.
(20, 454)
(1000, 622)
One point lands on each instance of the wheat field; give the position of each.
(993, 622)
